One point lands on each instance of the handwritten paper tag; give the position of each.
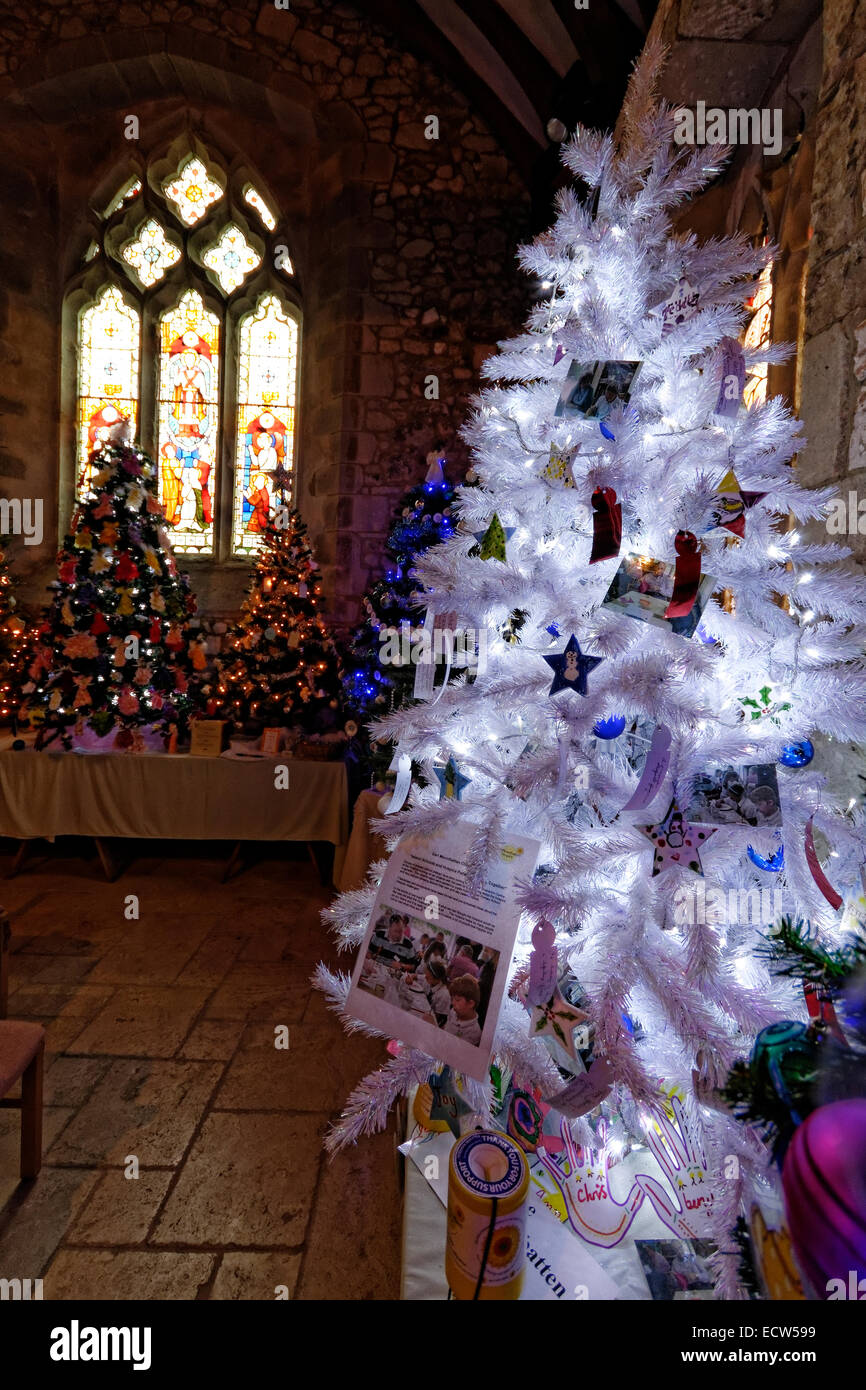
(402, 785)
(654, 772)
(543, 964)
(585, 1092)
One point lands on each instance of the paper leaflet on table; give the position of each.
(557, 1264)
(433, 965)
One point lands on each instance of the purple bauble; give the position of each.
(824, 1178)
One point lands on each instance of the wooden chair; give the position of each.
(22, 1052)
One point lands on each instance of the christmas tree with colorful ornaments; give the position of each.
(423, 518)
(280, 666)
(109, 661)
(649, 726)
(12, 633)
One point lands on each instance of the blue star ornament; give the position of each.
(451, 781)
(571, 668)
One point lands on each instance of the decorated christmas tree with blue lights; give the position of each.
(424, 518)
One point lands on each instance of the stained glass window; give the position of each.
(192, 191)
(255, 200)
(758, 335)
(124, 341)
(125, 194)
(189, 340)
(231, 258)
(150, 253)
(264, 450)
(108, 348)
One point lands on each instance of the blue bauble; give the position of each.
(611, 727)
(605, 431)
(772, 864)
(797, 754)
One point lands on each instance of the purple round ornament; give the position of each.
(824, 1179)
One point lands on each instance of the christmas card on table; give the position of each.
(433, 965)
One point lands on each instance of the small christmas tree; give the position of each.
(422, 520)
(111, 649)
(281, 665)
(11, 635)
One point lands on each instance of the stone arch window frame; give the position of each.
(90, 273)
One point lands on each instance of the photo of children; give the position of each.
(442, 978)
(736, 796)
(677, 1269)
(591, 390)
(642, 588)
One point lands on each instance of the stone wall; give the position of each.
(764, 55)
(404, 245)
(834, 358)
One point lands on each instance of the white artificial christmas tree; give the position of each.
(672, 1000)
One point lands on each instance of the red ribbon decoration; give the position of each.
(817, 872)
(606, 525)
(687, 575)
(820, 1007)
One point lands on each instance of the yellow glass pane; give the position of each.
(264, 445)
(192, 191)
(255, 200)
(757, 335)
(188, 417)
(150, 253)
(108, 356)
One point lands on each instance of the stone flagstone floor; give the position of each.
(160, 1045)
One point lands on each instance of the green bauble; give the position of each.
(784, 1059)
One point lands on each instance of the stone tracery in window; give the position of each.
(150, 253)
(192, 191)
(758, 335)
(182, 341)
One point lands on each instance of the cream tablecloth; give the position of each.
(158, 796)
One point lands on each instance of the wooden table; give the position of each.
(161, 796)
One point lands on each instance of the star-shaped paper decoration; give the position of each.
(451, 781)
(557, 471)
(492, 541)
(732, 505)
(571, 668)
(447, 1103)
(559, 1020)
(676, 841)
(281, 479)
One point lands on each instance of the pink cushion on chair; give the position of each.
(19, 1043)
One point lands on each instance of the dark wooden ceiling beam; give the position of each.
(607, 41)
(603, 35)
(529, 67)
(416, 31)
